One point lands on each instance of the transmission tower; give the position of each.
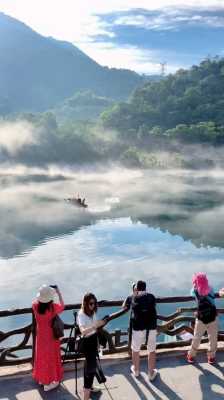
(163, 66)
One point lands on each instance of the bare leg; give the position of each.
(151, 362)
(136, 360)
(86, 394)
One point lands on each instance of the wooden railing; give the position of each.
(172, 325)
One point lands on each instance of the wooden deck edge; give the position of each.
(10, 372)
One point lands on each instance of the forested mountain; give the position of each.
(177, 121)
(36, 72)
(187, 106)
(82, 106)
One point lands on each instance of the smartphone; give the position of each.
(53, 286)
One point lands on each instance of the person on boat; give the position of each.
(78, 199)
(83, 202)
(47, 368)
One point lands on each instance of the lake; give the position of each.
(159, 226)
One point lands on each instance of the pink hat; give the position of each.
(200, 282)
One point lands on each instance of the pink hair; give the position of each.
(200, 283)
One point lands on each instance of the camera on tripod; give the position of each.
(76, 344)
(72, 347)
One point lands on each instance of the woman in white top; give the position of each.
(88, 325)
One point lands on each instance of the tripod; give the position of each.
(72, 347)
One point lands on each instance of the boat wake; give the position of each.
(109, 202)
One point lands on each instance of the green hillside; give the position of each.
(177, 122)
(37, 73)
(82, 106)
(187, 106)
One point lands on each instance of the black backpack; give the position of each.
(206, 311)
(143, 311)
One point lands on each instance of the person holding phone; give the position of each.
(47, 368)
(88, 325)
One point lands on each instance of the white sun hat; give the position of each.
(45, 294)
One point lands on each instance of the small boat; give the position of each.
(76, 202)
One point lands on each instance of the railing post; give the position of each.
(117, 337)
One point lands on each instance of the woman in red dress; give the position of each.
(47, 369)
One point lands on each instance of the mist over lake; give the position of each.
(156, 225)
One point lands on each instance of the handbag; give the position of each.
(58, 327)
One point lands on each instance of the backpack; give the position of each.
(143, 311)
(206, 311)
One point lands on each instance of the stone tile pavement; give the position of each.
(176, 381)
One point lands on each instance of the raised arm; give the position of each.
(59, 307)
(60, 296)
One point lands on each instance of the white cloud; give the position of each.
(161, 22)
(74, 20)
(79, 21)
(169, 20)
(130, 57)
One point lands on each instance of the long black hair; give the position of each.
(85, 304)
(43, 307)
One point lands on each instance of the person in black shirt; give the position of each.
(143, 321)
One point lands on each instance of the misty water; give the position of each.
(160, 226)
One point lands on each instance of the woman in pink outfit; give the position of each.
(47, 369)
(206, 317)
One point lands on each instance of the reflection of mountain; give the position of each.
(200, 218)
(38, 72)
(24, 236)
(32, 209)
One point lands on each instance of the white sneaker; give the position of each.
(136, 373)
(51, 386)
(153, 375)
(95, 389)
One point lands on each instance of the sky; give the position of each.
(136, 34)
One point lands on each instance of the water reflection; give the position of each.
(158, 225)
(106, 257)
(32, 206)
